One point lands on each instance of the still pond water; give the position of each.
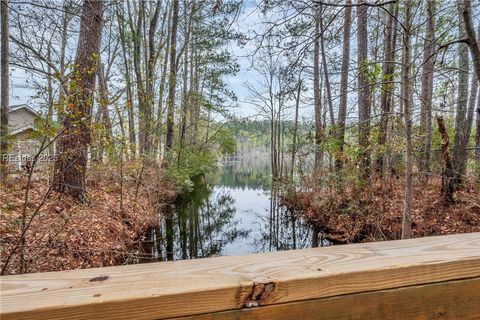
(231, 211)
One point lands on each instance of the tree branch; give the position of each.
(367, 4)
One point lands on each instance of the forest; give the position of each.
(120, 121)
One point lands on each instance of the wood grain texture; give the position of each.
(453, 300)
(174, 289)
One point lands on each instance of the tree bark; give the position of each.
(474, 97)
(363, 93)
(317, 98)
(4, 94)
(471, 108)
(325, 68)
(105, 131)
(477, 134)
(50, 98)
(136, 31)
(406, 67)
(295, 129)
(472, 40)
(172, 81)
(342, 107)
(388, 87)
(163, 80)
(459, 140)
(447, 171)
(186, 69)
(129, 103)
(71, 165)
(427, 92)
(67, 17)
(150, 75)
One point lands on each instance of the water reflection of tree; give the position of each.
(282, 230)
(243, 173)
(202, 224)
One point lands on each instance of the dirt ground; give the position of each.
(375, 213)
(64, 234)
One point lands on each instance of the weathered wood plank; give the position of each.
(445, 300)
(183, 288)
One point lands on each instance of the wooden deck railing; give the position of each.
(427, 278)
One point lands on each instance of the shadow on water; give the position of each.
(231, 211)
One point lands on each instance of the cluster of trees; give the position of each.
(146, 80)
(377, 75)
(122, 79)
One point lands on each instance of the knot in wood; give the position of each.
(99, 278)
(260, 293)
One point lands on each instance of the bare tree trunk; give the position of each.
(129, 104)
(279, 138)
(427, 92)
(472, 40)
(448, 174)
(477, 134)
(172, 81)
(67, 17)
(163, 80)
(105, 135)
(207, 130)
(4, 94)
(136, 31)
(459, 147)
(193, 93)
(474, 92)
(325, 68)
(317, 95)
(273, 141)
(186, 69)
(295, 128)
(121, 123)
(150, 75)
(471, 107)
(70, 167)
(50, 98)
(363, 93)
(407, 98)
(375, 24)
(196, 100)
(342, 108)
(388, 87)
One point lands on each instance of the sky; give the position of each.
(250, 22)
